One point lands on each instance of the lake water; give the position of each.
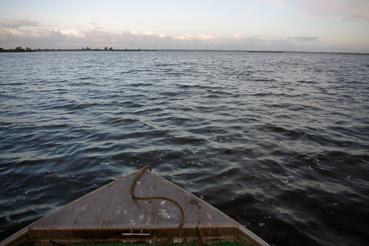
(278, 141)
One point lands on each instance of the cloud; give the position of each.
(360, 11)
(254, 43)
(70, 38)
(347, 9)
(16, 23)
(355, 9)
(303, 39)
(194, 37)
(96, 25)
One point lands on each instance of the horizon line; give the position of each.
(87, 49)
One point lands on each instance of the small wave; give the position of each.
(171, 93)
(262, 80)
(135, 71)
(191, 140)
(85, 78)
(140, 84)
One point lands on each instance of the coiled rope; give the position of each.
(162, 198)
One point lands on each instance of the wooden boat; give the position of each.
(141, 208)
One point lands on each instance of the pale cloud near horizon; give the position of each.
(195, 37)
(16, 23)
(304, 39)
(97, 38)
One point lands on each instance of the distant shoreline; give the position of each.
(29, 50)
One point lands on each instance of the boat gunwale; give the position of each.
(116, 235)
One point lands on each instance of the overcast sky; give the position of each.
(307, 25)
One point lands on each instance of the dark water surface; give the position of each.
(278, 141)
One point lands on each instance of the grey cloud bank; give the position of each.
(304, 39)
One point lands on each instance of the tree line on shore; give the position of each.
(27, 49)
(17, 49)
